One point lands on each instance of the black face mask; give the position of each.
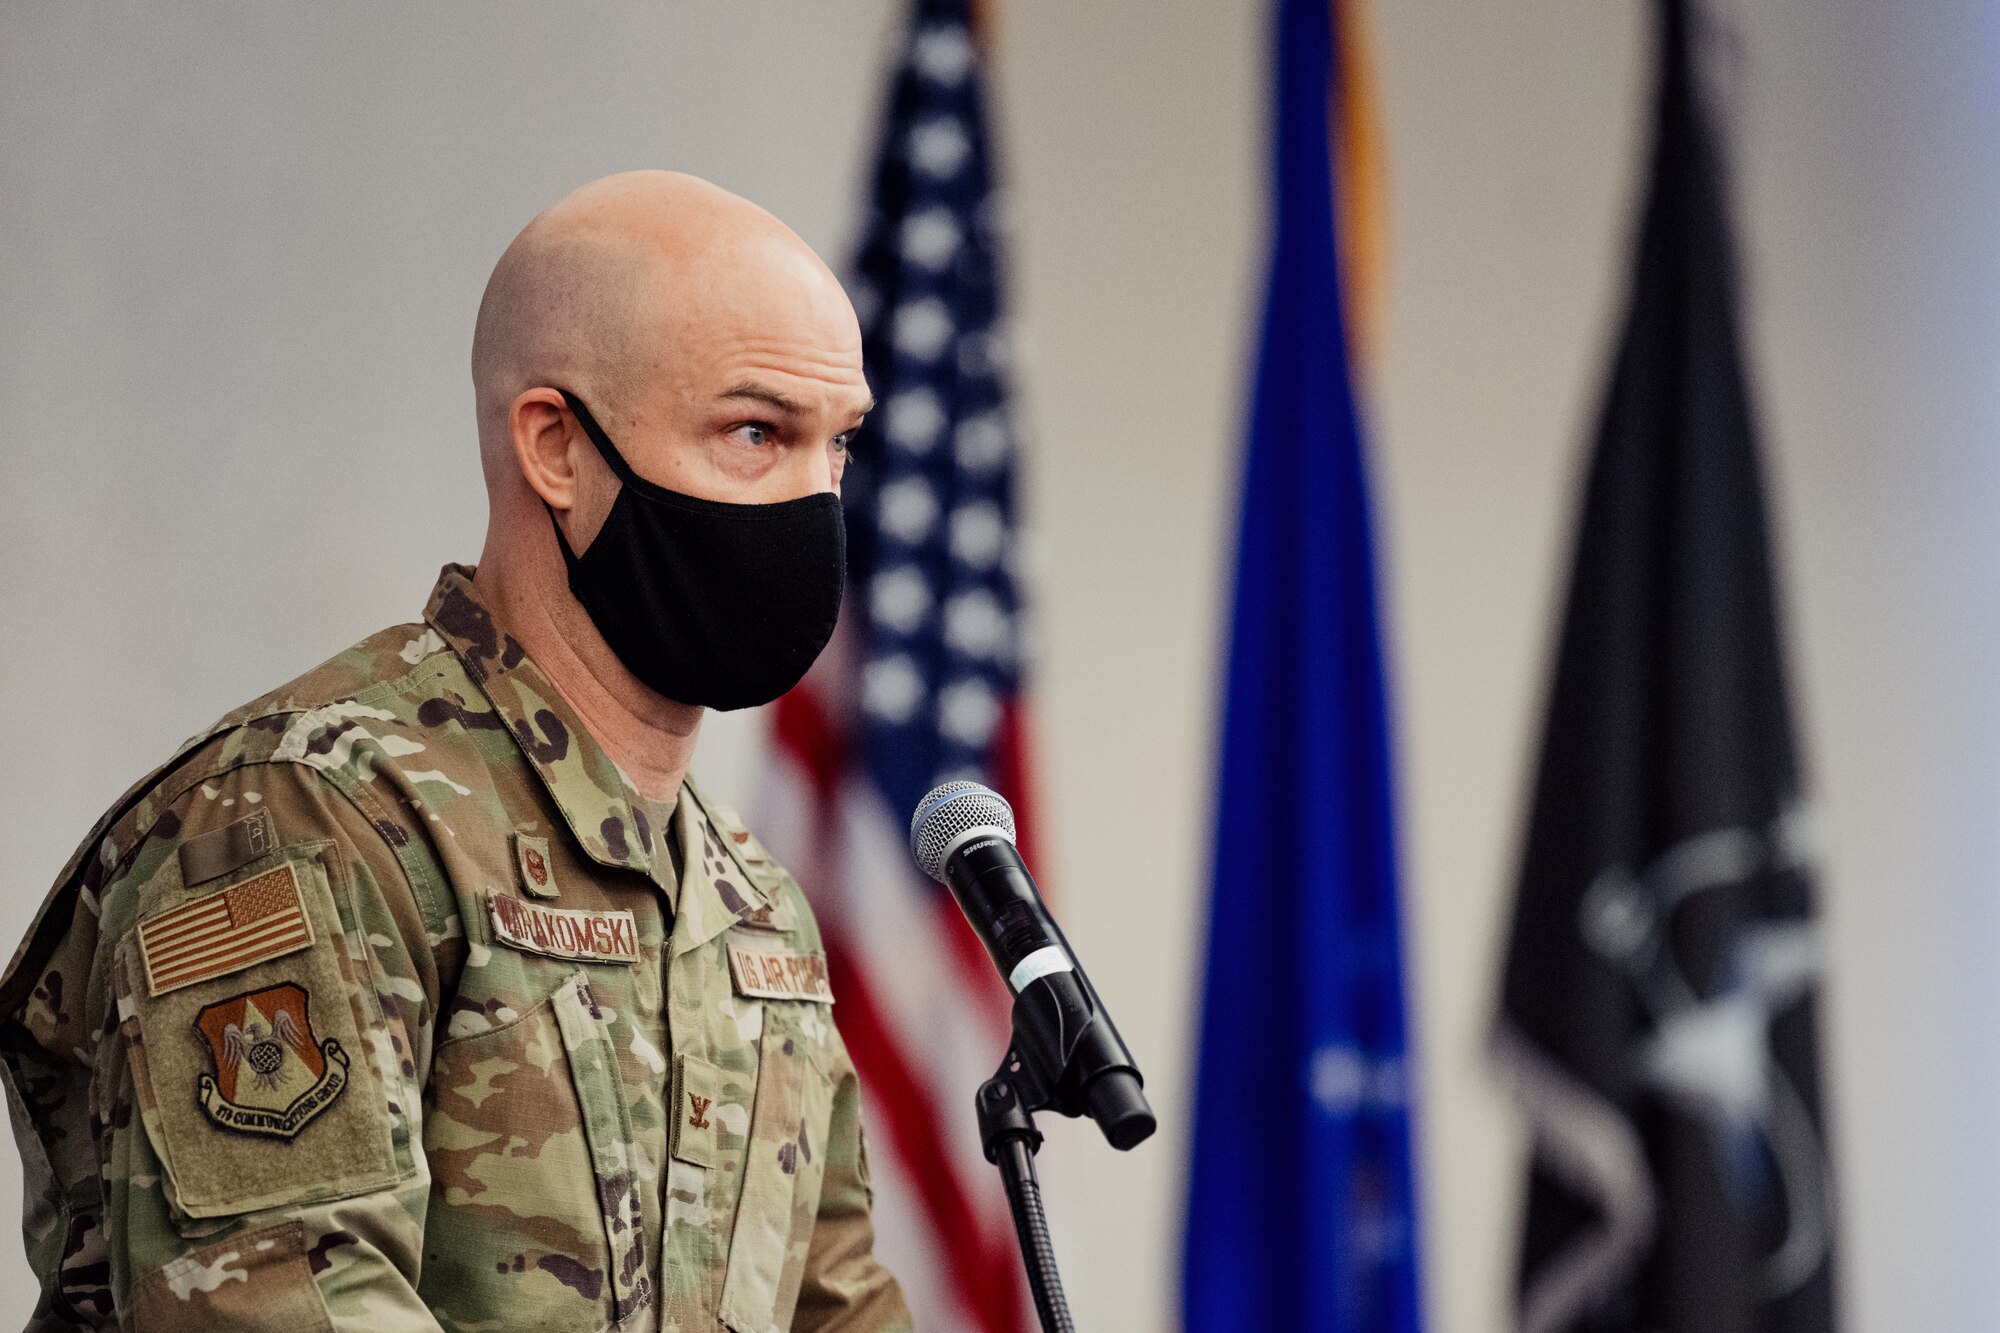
(722, 605)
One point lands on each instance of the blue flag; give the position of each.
(1301, 1210)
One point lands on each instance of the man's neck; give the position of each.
(650, 738)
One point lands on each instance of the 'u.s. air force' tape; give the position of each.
(1038, 964)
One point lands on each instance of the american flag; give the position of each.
(225, 932)
(922, 684)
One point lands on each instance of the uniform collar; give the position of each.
(604, 812)
(716, 889)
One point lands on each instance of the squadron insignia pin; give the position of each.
(272, 1076)
(536, 877)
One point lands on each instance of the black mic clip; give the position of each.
(1007, 1103)
(1059, 1026)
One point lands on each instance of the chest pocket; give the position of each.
(536, 1220)
(784, 1166)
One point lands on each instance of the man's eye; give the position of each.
(839, 444)
(754, 433)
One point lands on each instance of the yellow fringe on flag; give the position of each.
(1360, 184)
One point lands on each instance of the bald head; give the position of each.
(681, 314)
(600, 292)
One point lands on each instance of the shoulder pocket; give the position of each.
(246, 1033)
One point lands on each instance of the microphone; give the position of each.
(962, 835)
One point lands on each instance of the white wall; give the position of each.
(239, 254)
(1868, 185)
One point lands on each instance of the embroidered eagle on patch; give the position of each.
(271, 1076)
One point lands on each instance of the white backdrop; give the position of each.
(240, 250)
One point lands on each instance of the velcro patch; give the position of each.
(564, 932)
(273, 1073)
(259, 919)
(537, 880)
(697, 1084)
(228, 848)
(780, 974)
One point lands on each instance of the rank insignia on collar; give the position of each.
(272, 1077)
(776, 916)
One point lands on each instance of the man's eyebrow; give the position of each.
(763, 393)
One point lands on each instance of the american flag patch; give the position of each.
(225, 932)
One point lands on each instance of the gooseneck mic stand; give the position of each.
(1007, 1132)
(1058, 1025)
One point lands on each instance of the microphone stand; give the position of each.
(1065, 1057)
(1006, 1104)
(1065, 1054)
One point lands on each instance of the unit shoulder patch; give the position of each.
(779, 974)
(564, 932)
(272, 1074)
(217, 934)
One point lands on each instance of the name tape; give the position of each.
(780, 974)
(565, 932)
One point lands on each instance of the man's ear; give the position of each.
(546, 445)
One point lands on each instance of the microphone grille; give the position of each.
(950, 809)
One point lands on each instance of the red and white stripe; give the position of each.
(919, 1006)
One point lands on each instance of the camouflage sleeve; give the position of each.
(845, 1287)
(216, 1082)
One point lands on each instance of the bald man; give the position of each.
(426, 991)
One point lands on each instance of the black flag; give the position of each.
(1659, 1018)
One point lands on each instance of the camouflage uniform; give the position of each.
(389, 1004)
